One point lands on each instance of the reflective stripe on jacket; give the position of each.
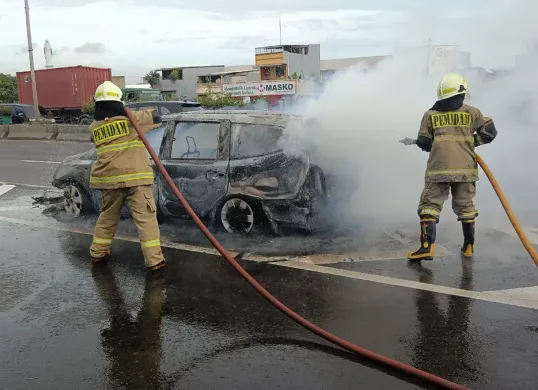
(122, 159)
(453, 140)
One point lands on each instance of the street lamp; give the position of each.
(31, 56)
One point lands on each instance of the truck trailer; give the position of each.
(62, 91)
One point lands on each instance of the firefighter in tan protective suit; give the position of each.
(450, 131)
(123, 173)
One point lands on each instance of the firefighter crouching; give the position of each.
(123, 173)
(450, 131)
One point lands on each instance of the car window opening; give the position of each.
(196, 141)
(252, 140)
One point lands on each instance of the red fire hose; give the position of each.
(402, 367)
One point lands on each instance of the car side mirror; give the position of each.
(20, 114)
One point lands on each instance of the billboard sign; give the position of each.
(263, 88)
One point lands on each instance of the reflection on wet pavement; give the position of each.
(448, 327)
(132, 344)
(198, 325)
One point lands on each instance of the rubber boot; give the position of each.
(157, 266)
(427, 241)
(101, 260)
(468, 238)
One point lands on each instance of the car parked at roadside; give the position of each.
(21, 113)
(229, 165)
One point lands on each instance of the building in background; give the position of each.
(212, 82)
(288, 61)
(528, 58)
(331, 67)
(436, 59)
(119, 81)
(181, 81)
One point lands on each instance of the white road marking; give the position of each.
(509, 230)
(513, 299)
(5, 188)
(65, 228)
(13, 208)
(489, 296)
(33, 186)
(39, 162)
(530, 293)
(356, 257)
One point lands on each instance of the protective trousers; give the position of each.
(434, 196)
(430, 206)
(144, 212)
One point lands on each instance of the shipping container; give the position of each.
(62, 91)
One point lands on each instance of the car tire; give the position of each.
(76, 200)
(238, 216)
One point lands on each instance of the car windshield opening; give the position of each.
(251, 140)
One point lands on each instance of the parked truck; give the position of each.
(62, 91)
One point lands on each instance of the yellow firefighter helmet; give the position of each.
(452, 84)
(108, 91)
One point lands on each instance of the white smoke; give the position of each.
(361, 117)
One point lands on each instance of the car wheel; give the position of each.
(76, 202)
(236, 215)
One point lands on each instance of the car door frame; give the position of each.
(221, 166)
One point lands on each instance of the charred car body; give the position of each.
(229, 165)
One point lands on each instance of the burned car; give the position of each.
(229, 165)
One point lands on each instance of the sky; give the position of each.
(135, 36)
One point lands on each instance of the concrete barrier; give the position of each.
(37, 131)
(74, 133)
(46, 131)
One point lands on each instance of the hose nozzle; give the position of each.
(408, 141)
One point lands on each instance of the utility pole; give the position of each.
(31, 56)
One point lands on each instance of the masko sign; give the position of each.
(264, 88)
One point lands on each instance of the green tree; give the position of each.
(295, 76)
(152, 78)
(174, 75)
(8, 89)
(89, 108)
(170, 96)
(215, 100)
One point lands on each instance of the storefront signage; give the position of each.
(264, 88)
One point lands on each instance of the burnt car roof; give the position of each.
(237, 116)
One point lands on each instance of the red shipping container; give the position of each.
(62, 88)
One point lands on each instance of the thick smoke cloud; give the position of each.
(361, 116)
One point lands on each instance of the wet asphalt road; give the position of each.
(40, 157)
(64, 324)
(198, 325)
